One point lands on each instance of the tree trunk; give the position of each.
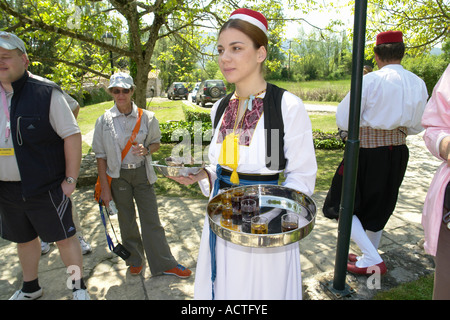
(140, 81)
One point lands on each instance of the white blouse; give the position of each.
(301, 166)
(391, 97)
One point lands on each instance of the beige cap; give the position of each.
(10, 41)
(121, 80)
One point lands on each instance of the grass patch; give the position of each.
(317, 90)
(89, 114)
(342, 85)
(167, 110)
(421, 289)
(327, 163)
(325, 122)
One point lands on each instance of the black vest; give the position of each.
(38, 148)
(273, 125)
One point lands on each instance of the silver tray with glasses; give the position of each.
(170, 167)
(273, 202)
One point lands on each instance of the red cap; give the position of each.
(251, 16)
(389, 37)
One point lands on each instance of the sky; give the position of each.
(318, 19)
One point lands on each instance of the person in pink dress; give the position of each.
(436, 217)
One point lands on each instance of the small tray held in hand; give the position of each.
(172, 168)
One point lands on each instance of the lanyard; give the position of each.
(108, 238)
(5, 109)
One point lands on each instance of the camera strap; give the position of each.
(108, 238)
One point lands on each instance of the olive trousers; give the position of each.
(133, 186)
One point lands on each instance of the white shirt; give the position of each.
(112, 132)
(391, 97)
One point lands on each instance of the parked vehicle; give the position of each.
(194, 92)
(177, 90)
(210, 91)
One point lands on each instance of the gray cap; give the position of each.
(121, 80)
(10, 41)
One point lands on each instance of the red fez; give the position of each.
(389, 37)
(254, 17)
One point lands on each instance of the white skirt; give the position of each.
(245, 273)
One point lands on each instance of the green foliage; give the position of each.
(423, 23)
(321, 94)
(430, 68)
(177, 131)
(96, 96)
(331, 91)
(317, 55)
(192, 113)
(327, 140)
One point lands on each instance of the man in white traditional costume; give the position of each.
(392, 103)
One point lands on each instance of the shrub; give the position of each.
(327, 140)
(320, 94)
(178, 130)
(95, 96)
(194, 114)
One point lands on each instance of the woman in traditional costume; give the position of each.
(238, 155)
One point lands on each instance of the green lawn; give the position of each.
(167, 111)
(343, 85)
(421, 289)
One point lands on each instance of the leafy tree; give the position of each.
(321, 55)
(76, 28)
(428, 67)
(424, 23)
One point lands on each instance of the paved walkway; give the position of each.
(107, 277)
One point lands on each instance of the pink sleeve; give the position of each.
(436, 117)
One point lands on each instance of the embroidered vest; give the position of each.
(273, 125)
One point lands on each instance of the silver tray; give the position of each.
(175, 171)
(274, 201)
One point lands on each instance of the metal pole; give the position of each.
(351, 154)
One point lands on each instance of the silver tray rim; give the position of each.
(266, 240)
(175, 171)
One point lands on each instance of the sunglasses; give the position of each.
(118, 91)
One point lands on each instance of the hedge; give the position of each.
(199, 126)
